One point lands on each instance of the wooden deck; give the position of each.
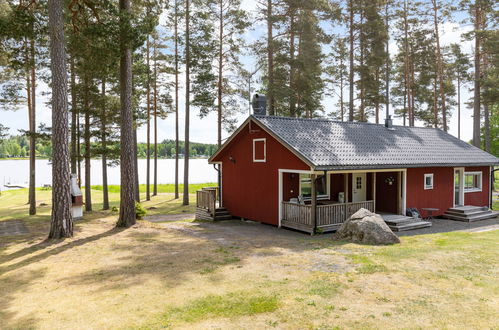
(207, 206)
(328, 217)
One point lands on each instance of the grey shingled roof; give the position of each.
(327, 144)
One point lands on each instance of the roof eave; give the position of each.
(394, 166)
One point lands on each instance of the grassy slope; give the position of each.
(151, 277)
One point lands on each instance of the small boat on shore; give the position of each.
(15, 185)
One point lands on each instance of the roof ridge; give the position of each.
(343, 122)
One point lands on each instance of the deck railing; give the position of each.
(328, 217)
(207, 199)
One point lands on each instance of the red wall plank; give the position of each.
(250, 190)
(442, 194)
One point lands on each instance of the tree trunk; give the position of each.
(78, 147)
(155, 109)
(73, 117)
(220, 87)
(435, 103)
(62, 223)
(270, 59)
(476, 98)
(361, 64)
(342, 108)
(127, 191)
(350, 78)
(292, 96)
(176, 102)
(32, 136)
(88, 192)
(136, 164)
(187, 104)
(105, 191)
(148, 144)
(486, 124)
(440, 65)
(387, 68)
(458, 106)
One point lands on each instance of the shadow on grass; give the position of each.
(47, 244)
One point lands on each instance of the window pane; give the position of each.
(472, 181)
(306, 185)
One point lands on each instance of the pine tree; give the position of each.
(459, 67)
(127, 191)
(62, 222)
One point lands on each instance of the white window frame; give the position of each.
(319, 197)
(480, 181)
(264, 150)
(428, 187)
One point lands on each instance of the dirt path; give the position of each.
(169, 217)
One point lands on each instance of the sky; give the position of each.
(205, 130)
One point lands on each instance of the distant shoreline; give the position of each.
(44, 158)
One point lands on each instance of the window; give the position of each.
(428, 181)
(472, 181)
(358, 182)
(321, 186)
(259, 150)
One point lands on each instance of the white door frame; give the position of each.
(461, 185)
(280, 173)
(363, 175)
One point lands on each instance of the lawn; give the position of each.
(232, 274)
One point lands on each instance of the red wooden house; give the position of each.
(269, 166)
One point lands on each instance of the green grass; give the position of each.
(228, 305)
(13, 203)
(324, 287)
(162, 188)
(366, 265)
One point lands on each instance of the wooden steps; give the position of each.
(401, 222)
(221, 213)
(469, 213)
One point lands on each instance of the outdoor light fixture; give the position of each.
(390, 180)
(232, 159)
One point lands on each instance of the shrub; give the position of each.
(140, 211)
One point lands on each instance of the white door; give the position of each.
(358, 187)
(458, 187)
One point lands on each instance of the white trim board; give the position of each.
(264, 160)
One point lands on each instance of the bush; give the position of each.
(140, 211)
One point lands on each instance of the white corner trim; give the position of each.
(264, 140)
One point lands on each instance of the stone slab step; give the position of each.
(489, 215)
(397, 219)
(469, 214)
(411, 225)
(468, 209)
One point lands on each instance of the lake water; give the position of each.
(17, 171)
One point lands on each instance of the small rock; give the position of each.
(366, 227)
(43, 204)
(152, 208)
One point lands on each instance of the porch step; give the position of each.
(467, 209)
(221, 213)
(479, 213)
(402, 222)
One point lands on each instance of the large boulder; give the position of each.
(366, 227)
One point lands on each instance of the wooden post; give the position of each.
(374, 191)
(399, 192)
(346, 175)
(314, 204)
